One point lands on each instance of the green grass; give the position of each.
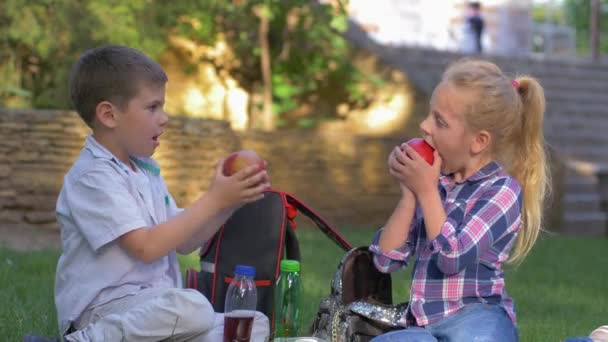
(560, 289)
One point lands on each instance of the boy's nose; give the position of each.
(164, 119)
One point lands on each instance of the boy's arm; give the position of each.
(149, 244)
(205, 232)
(104, 210)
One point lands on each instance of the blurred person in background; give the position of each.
(473, 29)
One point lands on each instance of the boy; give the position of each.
(118, 277)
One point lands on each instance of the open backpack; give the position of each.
(260, 234)
(359, 306)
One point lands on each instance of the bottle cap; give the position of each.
(245, 270)
(290, 265)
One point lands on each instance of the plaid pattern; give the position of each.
(463, 264)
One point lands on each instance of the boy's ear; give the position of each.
(481, 142)
(105, 113)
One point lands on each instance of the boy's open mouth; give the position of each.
(155, 139)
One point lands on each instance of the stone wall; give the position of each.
(342, 176)
(38, 147)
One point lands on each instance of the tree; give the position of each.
(304, 51)
(42, 39)
(292, 50)
(578, 14)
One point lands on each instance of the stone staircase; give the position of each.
(582, 201)
(576, 117)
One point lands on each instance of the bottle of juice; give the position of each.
(240, 305)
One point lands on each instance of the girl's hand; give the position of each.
(415, 173)
(395, 168)
(247, 185)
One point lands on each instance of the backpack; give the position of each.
(258, 234)
(359, 306)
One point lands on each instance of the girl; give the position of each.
(478, 206)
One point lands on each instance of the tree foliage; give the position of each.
(578, 15)
(42, 38)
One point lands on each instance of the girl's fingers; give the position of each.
(411, 153)
(395, 174)
(437, 160)
(400, 156)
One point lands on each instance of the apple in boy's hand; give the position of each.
(238, 160)
(423, 148)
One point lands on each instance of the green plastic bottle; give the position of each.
(287, 300)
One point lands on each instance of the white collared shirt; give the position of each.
(101, 200)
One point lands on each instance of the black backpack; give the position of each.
(259, 234)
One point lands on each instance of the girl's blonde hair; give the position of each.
(512, 110)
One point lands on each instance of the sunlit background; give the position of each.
(213, 53)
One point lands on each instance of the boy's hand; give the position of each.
(247, 185)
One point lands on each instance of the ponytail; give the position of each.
(513, 112)
(528, 164)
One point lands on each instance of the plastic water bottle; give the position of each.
(240, 305)
(288, 294)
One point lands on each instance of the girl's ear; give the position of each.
(105, 113)
(481, 142)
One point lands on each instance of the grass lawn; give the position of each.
(561, 290)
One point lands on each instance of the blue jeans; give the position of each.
(474, 322)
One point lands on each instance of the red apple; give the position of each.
(423, 148)
(238, 160)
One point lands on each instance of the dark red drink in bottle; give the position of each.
(237, 326)
(240, 305)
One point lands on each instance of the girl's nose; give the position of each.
(424, 127)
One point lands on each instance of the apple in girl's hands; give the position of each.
(423, 148)
(238, 160)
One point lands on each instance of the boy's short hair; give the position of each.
(110, 73)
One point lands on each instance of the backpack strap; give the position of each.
(319, 221)
(292, 247)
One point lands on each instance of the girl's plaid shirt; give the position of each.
(463, 264)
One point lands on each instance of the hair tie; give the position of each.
(515, 84)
